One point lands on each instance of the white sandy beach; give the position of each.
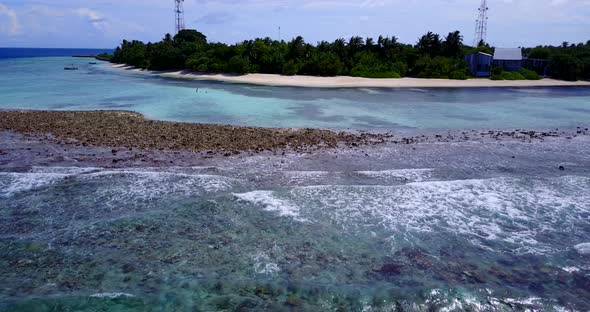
(354, 82)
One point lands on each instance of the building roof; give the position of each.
(480, 53)
(508, 54)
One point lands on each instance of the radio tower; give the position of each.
(481, 24)
(179, 13)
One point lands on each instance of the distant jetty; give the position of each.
(101, 58)
(98, 57)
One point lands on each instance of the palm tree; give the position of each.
(453, 44)
(355, 44)
(430, 44)
(296, 48)
(340, 48)
(369, 44)
(394, 41)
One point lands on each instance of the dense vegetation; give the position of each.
(569, 61)
(499, 74)
(381, 58)
(432, 57)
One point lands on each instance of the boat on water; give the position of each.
(71, 67)
(92, 63)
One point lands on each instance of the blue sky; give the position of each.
(103, 23)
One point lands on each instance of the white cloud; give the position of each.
(38, 14)
(95, 18)
(45, 18)
(9, 23)
(105, 22)
(374, 3)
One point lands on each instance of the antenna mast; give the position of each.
(179, 15)
(481, 24)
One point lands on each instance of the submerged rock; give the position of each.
(389, 269)
(294, 301)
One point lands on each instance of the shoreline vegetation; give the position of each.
(433, 56)
(276, 80)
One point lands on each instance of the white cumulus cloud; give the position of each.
(9, 23)
(95, 18)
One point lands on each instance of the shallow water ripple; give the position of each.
(268, 236)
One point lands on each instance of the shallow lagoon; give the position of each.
(41, 83)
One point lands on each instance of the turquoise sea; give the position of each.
(469, 225)
(41, 83)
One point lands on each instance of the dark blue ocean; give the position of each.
(38, 52)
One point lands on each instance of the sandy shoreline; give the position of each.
(354, 82)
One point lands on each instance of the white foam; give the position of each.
(264, 265)
(143, 183)
(306, 173)
(63, 170)
(482, 300)
(524, 301)
(450, 302)
(583, 249)
(12, 183)
(112, 295)
(155, 183)
(306, 177)
(370, 91)
(532, 91)
(118, 190)
(514, 212)
(269, 202)
(571, 269)
(415, 175)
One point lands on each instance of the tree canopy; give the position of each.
(431, 57)
(568, 61)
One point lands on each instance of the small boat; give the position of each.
(92, 63)
(71, 67)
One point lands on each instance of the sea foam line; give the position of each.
(269, 202)
(112, 295)
(514, 211)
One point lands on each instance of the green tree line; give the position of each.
(432, 56)
(568, 61)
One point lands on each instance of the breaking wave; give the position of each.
(415, 175)
(516, 213)
(270, 202)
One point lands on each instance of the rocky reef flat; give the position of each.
(132, 130)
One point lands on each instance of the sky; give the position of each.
(104, 23)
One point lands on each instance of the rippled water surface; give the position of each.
(465, 225)
(443, 227)
(41, 83)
